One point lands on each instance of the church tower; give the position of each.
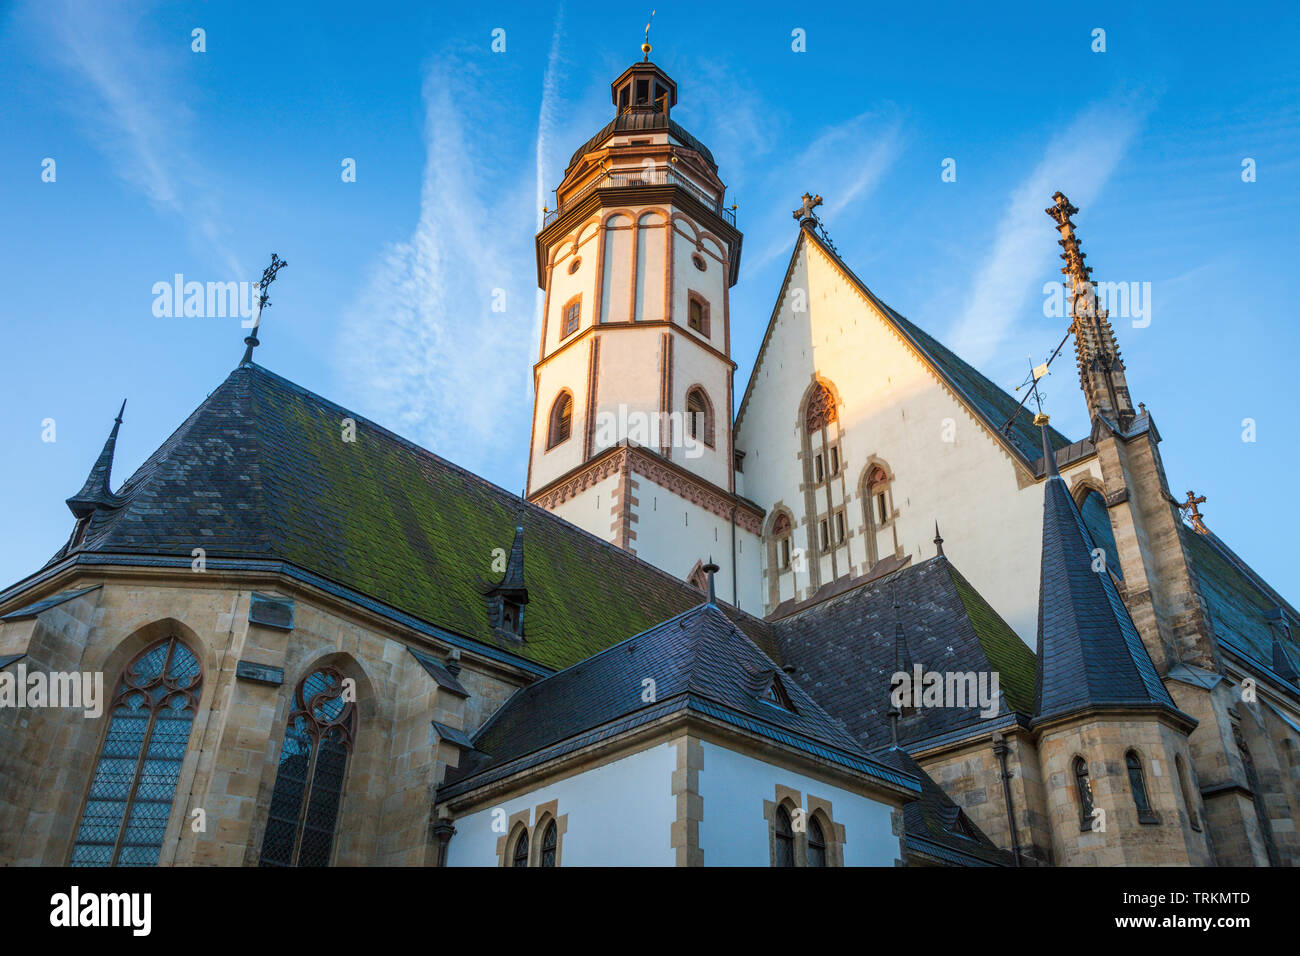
(632, 418)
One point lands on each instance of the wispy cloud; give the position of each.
(845, 162)
(438, 345)
(130, 108)
(1079, 160)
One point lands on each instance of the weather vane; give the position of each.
(263, 300)
(645, 46)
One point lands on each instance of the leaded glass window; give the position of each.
(313, 766)
(816, 843)
(521, 850)
(550, 837)
(1137, 782)
(784, 838)
(131, 792)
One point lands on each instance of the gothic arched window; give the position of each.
(781, 529)
(131, 791)
(1084, 789)
(821, 409)
(520, 856)
(699, 416)
(816, 843)
(561, 424)
(313, 766)
(784, 838)
(1138, 784)
(550, 839)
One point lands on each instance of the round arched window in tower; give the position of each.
(699, 262)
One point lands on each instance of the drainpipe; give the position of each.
(734, 601)
(443, 831)
(1000, 748)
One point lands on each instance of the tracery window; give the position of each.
(781, 534)
(520, 857)
(821, 409)
(134, 783)
(784, 838)
(313, 767)
(550, 839)
(816, 843)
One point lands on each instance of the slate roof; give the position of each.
(1089, 652)
(844, 651)
(699, 660)
(637, 121)
(31, 610)
(1242, 607)
(978, 392)
(259, 471)
(937, 827)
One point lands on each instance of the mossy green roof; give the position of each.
(261, 470)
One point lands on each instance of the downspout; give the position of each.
(734, 586)
(1000, 748)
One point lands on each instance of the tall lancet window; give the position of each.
(139, 763)
(313, 767)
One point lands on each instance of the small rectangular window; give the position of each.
(835, 462)
(817, 469)
(839, 527)
(826, 538)
(880, 507)
(785, 553)
(571, 316)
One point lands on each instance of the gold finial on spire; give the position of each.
(645, 46)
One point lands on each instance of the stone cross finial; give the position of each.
(1193, 513)
(810, 202)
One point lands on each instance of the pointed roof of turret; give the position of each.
(96, 493)
(1089, 652)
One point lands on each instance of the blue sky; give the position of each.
(171, 161)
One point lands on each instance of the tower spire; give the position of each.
(96, 492)
(1101, 370)
(263, 301)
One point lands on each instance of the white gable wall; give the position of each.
(895, 410)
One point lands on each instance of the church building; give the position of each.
(867, 610)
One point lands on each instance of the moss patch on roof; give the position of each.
(1007, 653)
(262, 470)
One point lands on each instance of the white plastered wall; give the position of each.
(947, 466)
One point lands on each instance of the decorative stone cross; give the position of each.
(1195, 513)
(810, 202)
